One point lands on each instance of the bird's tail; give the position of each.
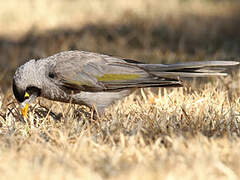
(189, 69)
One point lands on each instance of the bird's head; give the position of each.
(25, 85)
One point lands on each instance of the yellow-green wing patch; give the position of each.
(118, 77)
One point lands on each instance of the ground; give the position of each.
(177, 133)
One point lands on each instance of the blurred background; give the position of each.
(156, 31)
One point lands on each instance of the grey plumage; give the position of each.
(99, 80)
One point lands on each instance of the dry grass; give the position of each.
(149, 136)
(182, 133)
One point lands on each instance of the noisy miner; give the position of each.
(98, 80)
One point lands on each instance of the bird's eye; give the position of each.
(51, 75)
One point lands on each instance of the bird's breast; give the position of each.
(55, 93)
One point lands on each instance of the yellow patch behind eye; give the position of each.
(26, 95)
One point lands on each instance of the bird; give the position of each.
(98, 80)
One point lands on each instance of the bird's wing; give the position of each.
(105, 73)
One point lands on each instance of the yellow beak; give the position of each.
(25, 110)
(26, 106)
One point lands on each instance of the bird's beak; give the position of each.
(25, 104)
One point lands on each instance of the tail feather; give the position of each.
(190, 69)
